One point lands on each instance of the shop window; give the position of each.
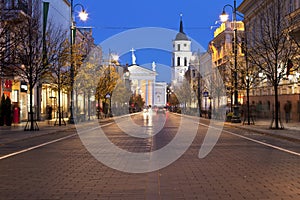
(15, 96)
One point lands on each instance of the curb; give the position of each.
(263, 132)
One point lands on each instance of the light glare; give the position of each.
(224, 17)
(83, 15)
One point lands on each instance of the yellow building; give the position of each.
(221, 49)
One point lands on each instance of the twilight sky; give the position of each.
(110, 18)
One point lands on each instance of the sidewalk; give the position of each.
(291, 130)
(15, 132)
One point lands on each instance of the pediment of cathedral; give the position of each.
(136, 70)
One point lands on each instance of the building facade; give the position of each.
(45, 94)
(143, 82)
(13, 13)
(222, 54)
(262, 95)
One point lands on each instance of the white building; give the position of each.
(58, 17)
(59, 13)
(181, 55)
(143, 82)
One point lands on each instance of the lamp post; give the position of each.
(83, 16)
(224, 17)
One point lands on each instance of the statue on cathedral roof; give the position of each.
(153, 66)
(133, 56)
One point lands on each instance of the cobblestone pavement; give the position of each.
(235, 169)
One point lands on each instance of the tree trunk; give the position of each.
(248, 103)
(84, 104)
(38, 105)
(31, 106)
(231, 101)
(89, 106)
(276, 114)
(98, 109)
(59, 106)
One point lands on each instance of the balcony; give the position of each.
(14, 10)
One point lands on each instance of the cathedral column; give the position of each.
(147, 91)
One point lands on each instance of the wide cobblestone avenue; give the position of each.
(236, 168)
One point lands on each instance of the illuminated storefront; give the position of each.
(50, 99)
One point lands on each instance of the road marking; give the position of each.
(50, 142)
(257, 141)
(35, 147)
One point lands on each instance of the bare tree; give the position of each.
(58, 73)
(217, 94)
(121, 98)
(185, 94)
(269, 44)
(31, 60)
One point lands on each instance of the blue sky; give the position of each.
(109, 18)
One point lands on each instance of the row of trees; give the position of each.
(35, 52)
(273, 49)
(270, 52)
(270, 49)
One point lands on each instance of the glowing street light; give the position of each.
(224, 17)
(83, 15)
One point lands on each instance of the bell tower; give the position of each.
(181, 55)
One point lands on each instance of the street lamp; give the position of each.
(83, 15)
(223, 18)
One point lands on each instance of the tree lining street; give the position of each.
(236, 168)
